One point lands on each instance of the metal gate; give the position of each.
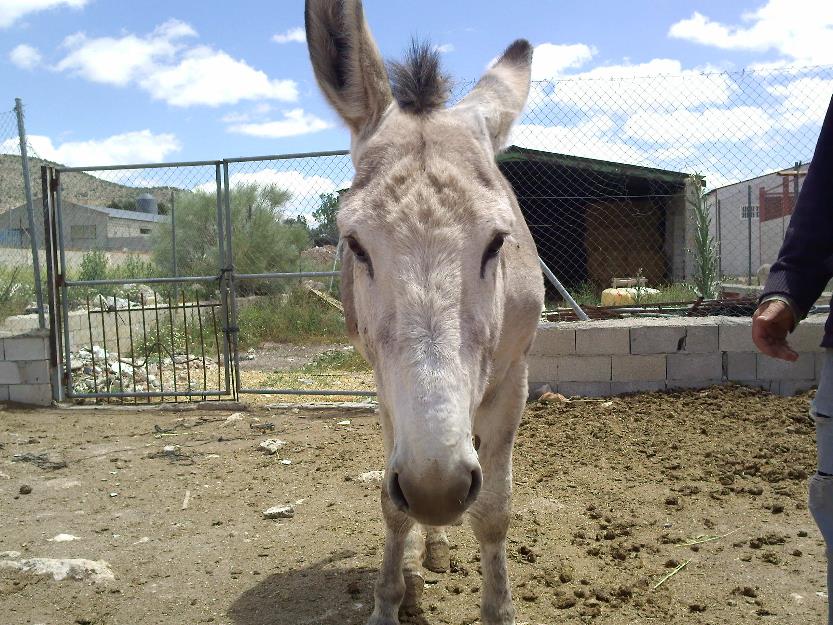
(125, 328)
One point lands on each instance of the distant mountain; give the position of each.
(84, 188)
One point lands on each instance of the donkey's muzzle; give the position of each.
(435, 496)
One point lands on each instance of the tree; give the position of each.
(261, 240)
(326, 232)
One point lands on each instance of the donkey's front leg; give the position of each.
(495, 426)
(390, 585)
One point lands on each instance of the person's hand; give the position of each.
(770, 325)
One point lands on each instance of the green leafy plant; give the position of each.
(705, 280)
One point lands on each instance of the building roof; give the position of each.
(788, 171)
(517, 153)
(119, 213)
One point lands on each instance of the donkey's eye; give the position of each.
(360, 254)
(358, 250)
(491, 252)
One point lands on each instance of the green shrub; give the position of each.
(295, 317)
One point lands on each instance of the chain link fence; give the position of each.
(21, 281)
(674, 188)
(645, 194)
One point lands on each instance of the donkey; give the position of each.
(441, 288)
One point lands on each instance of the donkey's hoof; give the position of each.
(414, 585)
(381, 620)
(437, 556)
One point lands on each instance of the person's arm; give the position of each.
(805, 262)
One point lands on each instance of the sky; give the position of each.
(108, 82)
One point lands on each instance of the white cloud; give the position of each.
(550, 60)
(141, 146)
(210, 77)
(445, 48)
(164, 66)
(294, 122)
(25, 56)
(805, 101)
(659, 84)
(13, 10)
(712, 125)
(293, 35)
(592, 138)
(800, 32)
(120, 61)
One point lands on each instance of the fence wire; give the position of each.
(667, 193)
(19, 287)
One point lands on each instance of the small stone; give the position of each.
(371, 477)
(272, 445)
(279, 512)
(62, 538)
(777, 508)
(344, 422)
(286, 461)
(553, 398)
(25, 490)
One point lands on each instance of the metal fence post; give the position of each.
(30, 210)
(749, 222)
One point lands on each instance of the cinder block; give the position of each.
(657, 340)
(693, 383)
(26, 348)
(788, 388)
(542, 369)
(584, 389)
(4, 392)
(736, 336)
(552, 340)
(9, 373)
(682, 367)
(702, 339)
(807, 337)
(623, 388)
(593, 341)
(31, 394)
(634, 368)
(34, 372)
(767, 385)
(741, 366)
(584, 369)
(774, 369)
(75, 322)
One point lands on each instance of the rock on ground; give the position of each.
(79, 569)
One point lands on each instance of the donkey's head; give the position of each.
(427, 221)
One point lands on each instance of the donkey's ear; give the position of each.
(347, 63)
(500, 95)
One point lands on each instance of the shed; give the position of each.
(594, 220)
(85, 227)
(761, 206)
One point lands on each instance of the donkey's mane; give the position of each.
(418, 83)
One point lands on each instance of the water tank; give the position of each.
(146, 203)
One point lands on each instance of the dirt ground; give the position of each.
(608, 497)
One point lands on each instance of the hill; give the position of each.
(85, 188)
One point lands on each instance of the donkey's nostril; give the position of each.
(474, 489)
(396, 494)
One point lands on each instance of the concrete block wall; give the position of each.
(602, 358)
(24, 369)
(107, 329)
